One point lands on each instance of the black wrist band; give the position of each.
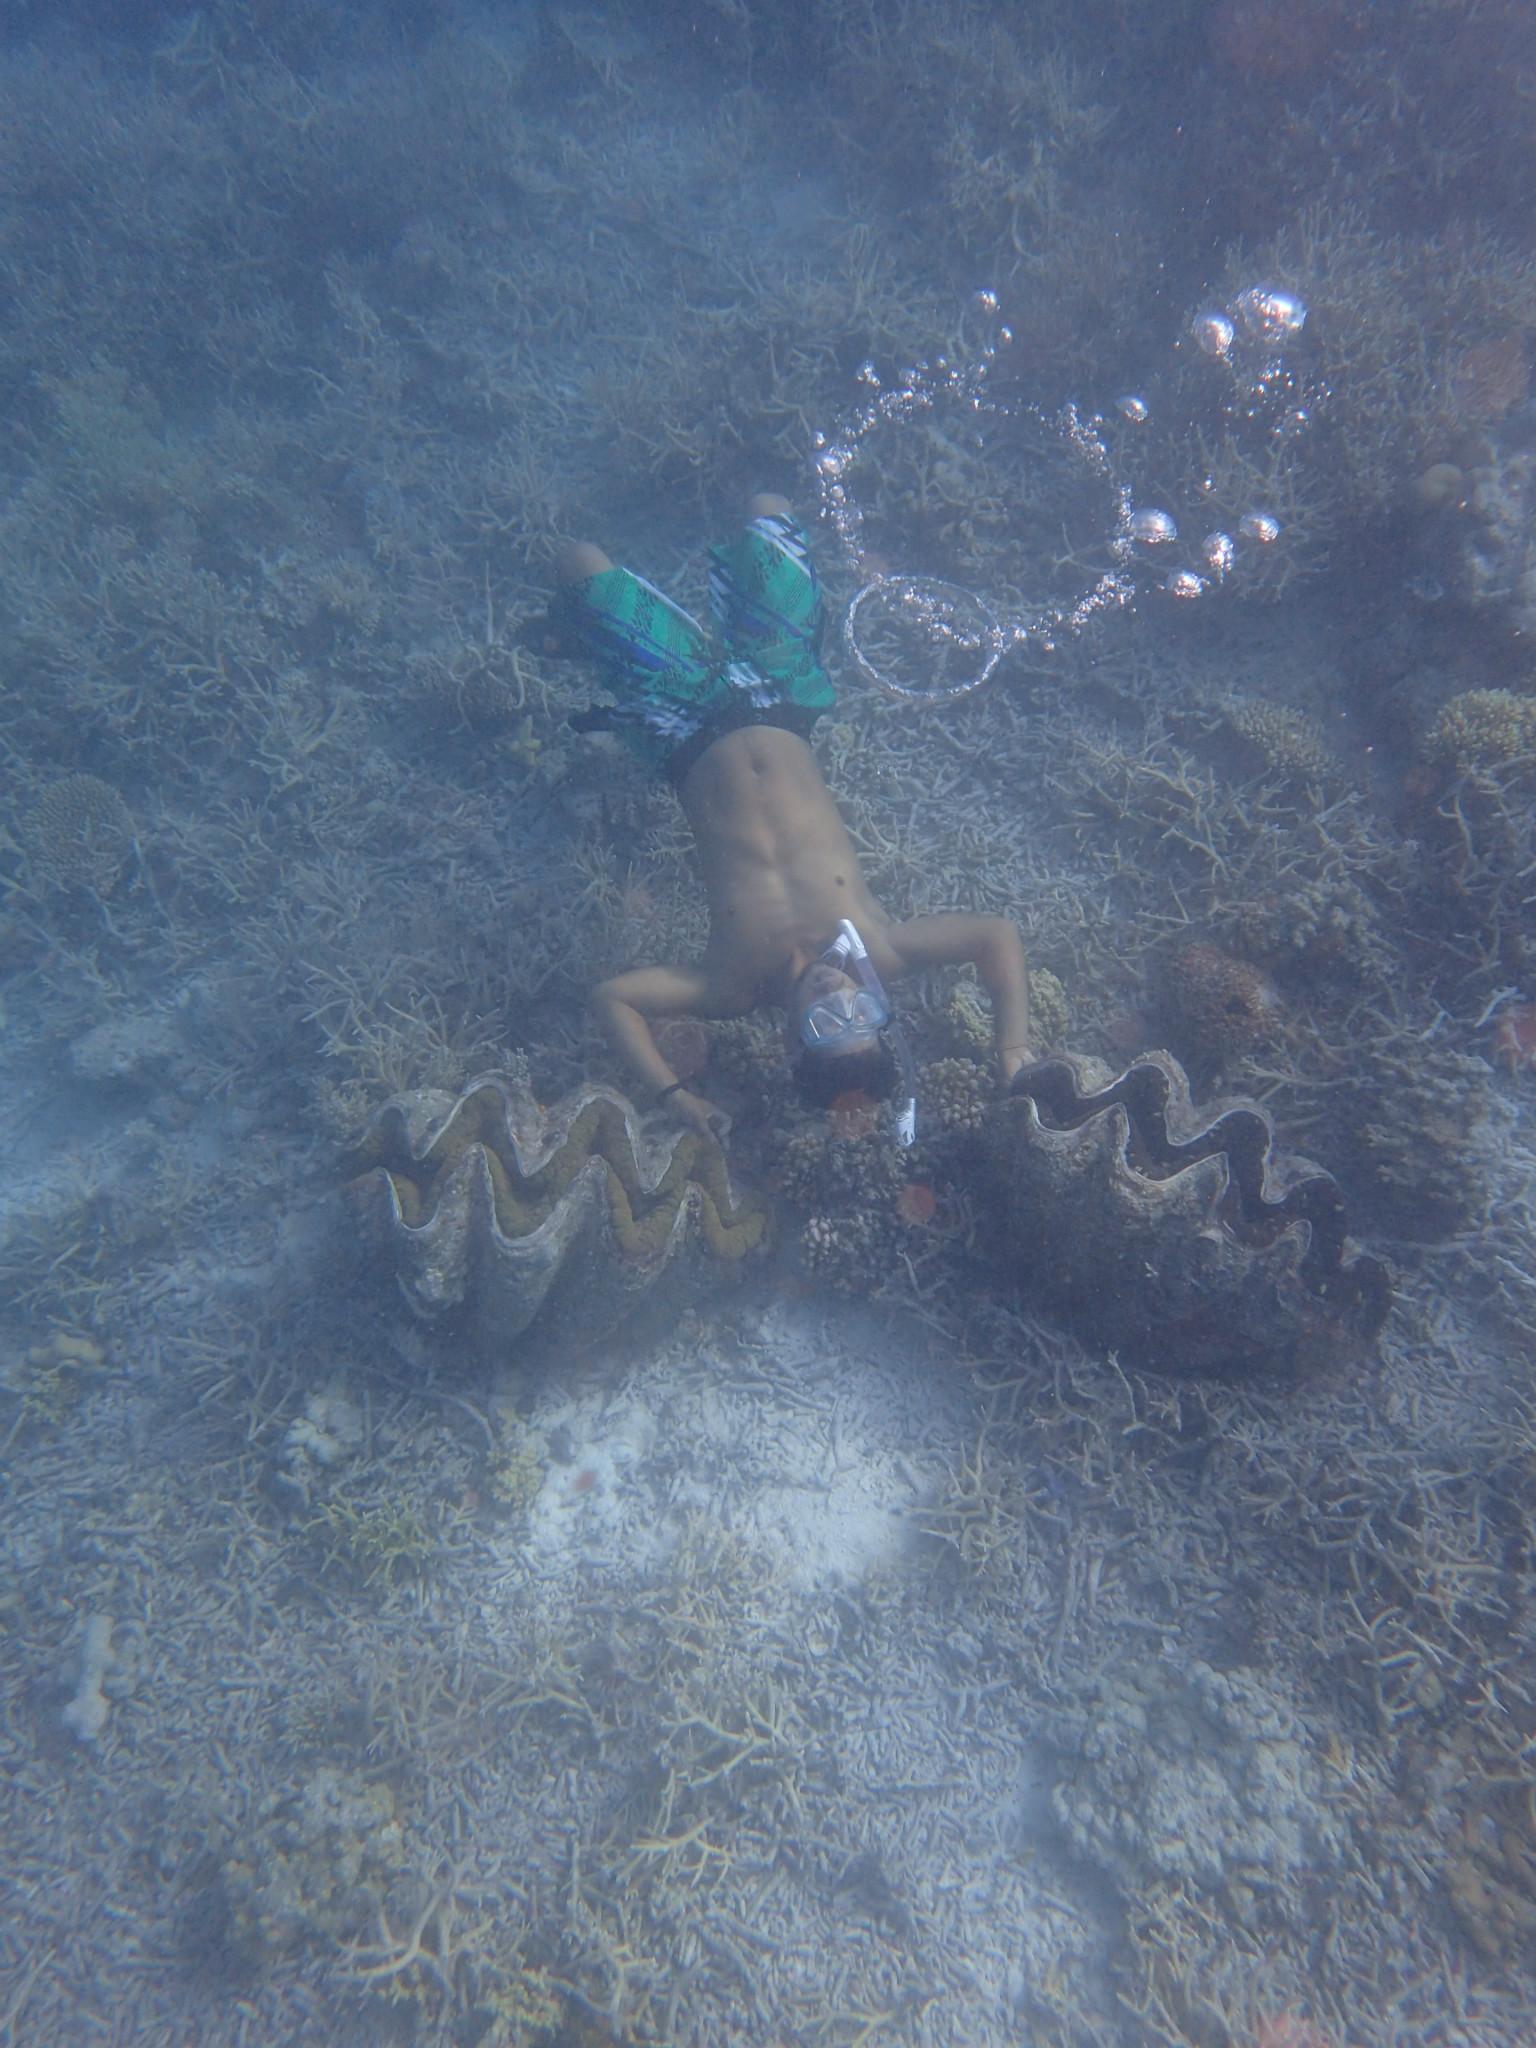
(670, 1089)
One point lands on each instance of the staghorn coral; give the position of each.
(79, 835)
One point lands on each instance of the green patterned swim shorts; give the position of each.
(677, 696)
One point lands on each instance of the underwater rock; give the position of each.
(313, 1863)
(1176, 1237)
(133, 1048)
(545, 1227)
(1499, 551)
(1204, 1777)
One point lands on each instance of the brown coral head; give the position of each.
(1214, 1006)
(684, 1044)
(1282, 40)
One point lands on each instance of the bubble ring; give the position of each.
(922, 608)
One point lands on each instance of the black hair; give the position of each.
(822, 1076)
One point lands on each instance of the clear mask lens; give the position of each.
(845, 1013)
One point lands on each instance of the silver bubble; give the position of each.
(1213, 331)
(1267, 314)
(1153, 527)
(1134, 408)
(1217, 552)
(868, 374)
(1258, 526)
(1184, 583)
(984, 301)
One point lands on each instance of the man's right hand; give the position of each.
(700, 1115)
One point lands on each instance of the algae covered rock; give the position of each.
(1176, 1236)
(547, 1226)
(313, 1863)
(1201, 1777)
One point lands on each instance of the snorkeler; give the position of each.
(791, 921)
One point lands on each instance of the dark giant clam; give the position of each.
(1176, 1236)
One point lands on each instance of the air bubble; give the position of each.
(1217, 553)
(1185, 583)
(1134, 408)
(1213, 332)
(1269, 315)
(1154, 527)
(1258, 526)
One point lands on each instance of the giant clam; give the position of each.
(537, 1228)
(1176, 1237)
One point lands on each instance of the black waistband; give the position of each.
(799, 719)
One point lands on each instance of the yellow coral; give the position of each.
(1050, 1009)
(517, 1472)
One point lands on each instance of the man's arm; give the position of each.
(997, 951)
(625, 1005)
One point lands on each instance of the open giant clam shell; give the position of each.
(546, 1226)
(1175, 1235)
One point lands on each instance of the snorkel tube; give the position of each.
(849, 953)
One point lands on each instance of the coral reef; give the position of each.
(569, 1218)
(1415, 1143)
(322, 328)
(79, 834)
(1174, 1235)
(956, 1096)
(1497, 536)
(1484, 729)
(1289, 742)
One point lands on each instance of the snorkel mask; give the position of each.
(844, 1016)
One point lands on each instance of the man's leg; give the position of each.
(640, 640)
(766, 595)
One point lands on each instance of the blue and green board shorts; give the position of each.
(676, 694)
